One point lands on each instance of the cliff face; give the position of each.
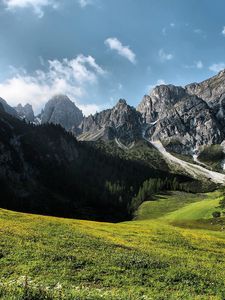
(122, 123)
(181, 121)
(161, 98)
(212, 91)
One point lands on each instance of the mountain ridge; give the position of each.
(184, 119)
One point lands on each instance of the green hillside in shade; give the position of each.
(172, 250)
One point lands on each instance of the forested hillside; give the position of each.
(45, 169)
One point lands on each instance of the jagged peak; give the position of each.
(220, 76)
(27, 105)
(61, 110)
(166, 90)
(60, 97)
(121, 102)
(222, 72)
(63, 99)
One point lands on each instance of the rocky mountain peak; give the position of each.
(25, 112)
(212, 91)
(61, 110)
(122, 122)
(121, 102)
(160, 99)
(167, 93)
(186, 118)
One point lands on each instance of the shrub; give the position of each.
(222, 203)
(216, 214)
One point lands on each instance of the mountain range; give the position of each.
(61, 162)
(183, 118)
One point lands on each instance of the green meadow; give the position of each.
(173, 249)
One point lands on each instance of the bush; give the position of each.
(222, 203)
(216, 214)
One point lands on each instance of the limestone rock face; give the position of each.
(61, 110)
(162, 97)
(186, 118)
(25, 112)
(212, 91)
(122, 122)
(186, 125)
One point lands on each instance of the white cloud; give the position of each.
(163, 56)
(36, 5)
(84, 3)
(199, 64)
(198, 31)
(152, 86)
(125, 51)
(223, 31)
(120, 86)
(71, 77)
(172, 24)
(91, 109)
(217, 67)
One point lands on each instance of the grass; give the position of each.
(165, 204)
(173, 250)
(195, 211)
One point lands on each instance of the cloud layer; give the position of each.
(125, 51)
(71, 77)
(36, 5)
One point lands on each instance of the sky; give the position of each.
(98, 51)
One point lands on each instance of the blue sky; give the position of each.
(97, 51)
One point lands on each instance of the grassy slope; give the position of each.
(180, 206)
(151, 258)
(165, 204)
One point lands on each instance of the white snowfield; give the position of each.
(192, 169)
